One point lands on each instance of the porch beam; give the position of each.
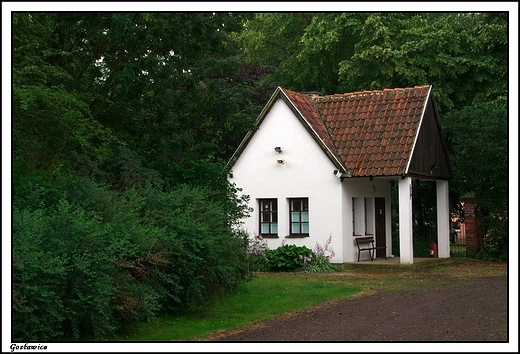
(405, 221)
(443, 219)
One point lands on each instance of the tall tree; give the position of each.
(339, 52)
(161, 84)
(52, 123)
(478, 140)
(452, 52)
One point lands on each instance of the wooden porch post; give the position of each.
(443, 219)
(405, 221)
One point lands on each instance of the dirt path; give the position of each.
(476, 312)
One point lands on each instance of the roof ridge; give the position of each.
(365, 93)
(313, 94)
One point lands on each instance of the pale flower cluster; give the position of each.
(257, 246)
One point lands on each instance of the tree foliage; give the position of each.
(159, 84)
(345, 52)
(122, 124)
(478, 138)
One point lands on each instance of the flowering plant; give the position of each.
(257, 253)
(257, 245)
(319, 260)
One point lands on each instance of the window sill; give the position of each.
(298, 236)
(270, 236)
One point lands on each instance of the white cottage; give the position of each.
(320, 166)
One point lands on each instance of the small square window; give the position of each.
(268, 217)
(299, 216)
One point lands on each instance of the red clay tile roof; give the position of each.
(372, 133)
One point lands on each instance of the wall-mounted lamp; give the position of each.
(340, 174)
(280, 161)
(278, 149)
(432, 168)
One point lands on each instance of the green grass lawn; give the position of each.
(264, 297)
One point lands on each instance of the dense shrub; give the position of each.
(62, 274)
(421, 246)
(495, 239)
(205, 256)
(88, 260)
(287, 258)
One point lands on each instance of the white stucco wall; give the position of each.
(306, 172)
(364, 188)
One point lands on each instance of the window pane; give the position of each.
(268, 216)
(299, 215)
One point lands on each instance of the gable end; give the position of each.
(430, 155)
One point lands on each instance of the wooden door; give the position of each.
(380, 226)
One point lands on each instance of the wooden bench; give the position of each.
(367, 243)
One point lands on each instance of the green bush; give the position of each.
(421, 247)
(319, 264)
(204, 255)
(495, 239)
(287, 258)
(88, 260)
(62, 286)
